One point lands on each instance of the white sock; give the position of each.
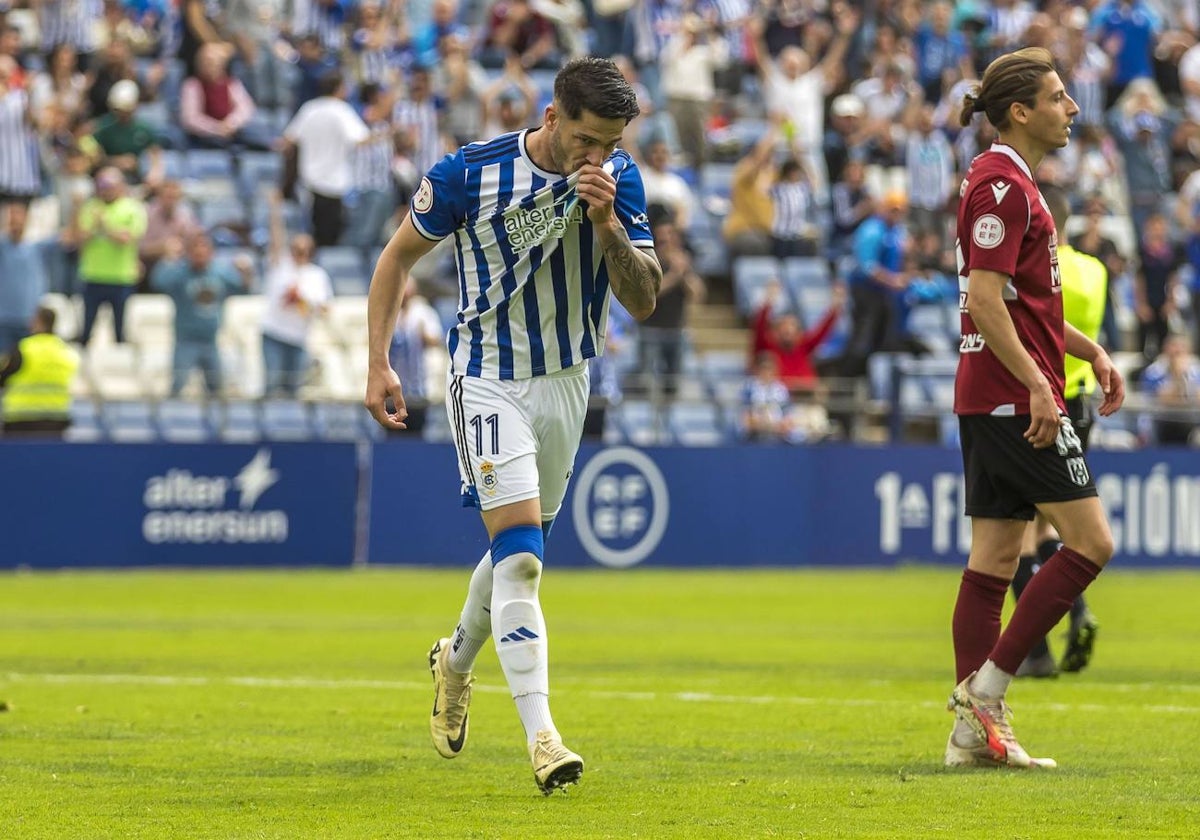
(475, 622)
(990, 682)
(534, 710)
(518, 629)
(463, 650)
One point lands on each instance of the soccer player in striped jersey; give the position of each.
(545, 223)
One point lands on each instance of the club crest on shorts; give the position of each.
(487, 477)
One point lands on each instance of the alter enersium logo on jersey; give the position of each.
(621, 507)
(182, 507)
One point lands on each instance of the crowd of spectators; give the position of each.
(789, 129)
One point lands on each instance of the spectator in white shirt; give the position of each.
(297, 291)
(795, 90)
(1189, 81)
(663, 187)
(692, 57)
(325, 133)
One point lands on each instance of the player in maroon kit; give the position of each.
(1020, 452)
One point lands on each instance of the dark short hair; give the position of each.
(46, 317)
(1013, 77)
(594, 84)
(367, 92)
(329, 84)
(789, 167)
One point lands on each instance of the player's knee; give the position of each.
(1096, 544)
(1100, 546)
(520, 569)
(524, 544)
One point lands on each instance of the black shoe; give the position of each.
(1041, 667)
(1081, 638)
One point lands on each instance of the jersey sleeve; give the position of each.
(630, 204)
(439, 204)
(997, 218)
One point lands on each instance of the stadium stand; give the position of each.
(122, 392)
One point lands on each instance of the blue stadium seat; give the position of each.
(158, 116)
(174, 164)
(696, 424)
(86, 424)
(209, 163)
(346, 270)
(221, 212)
(338, 420)
(710, 256)
(750, 275)
(259, 168)
(638, 422)
(927, 322)
(285, 419)
(803, 272)
(717, 179)
(812, 302)
(130, 421)
(237, 421)
(184, 421)
(225, 220)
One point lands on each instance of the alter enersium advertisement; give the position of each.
(163, 505)
(300, 504)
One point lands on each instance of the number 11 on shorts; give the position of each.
(477, 423)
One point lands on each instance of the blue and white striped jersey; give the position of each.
(533, 285)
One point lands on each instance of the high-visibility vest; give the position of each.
(1084, 295)
(41, 387)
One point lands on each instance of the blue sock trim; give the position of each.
(547, 524)
(518, 539)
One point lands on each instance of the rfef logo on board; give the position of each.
(621, 507)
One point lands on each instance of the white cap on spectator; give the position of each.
(1077, 18)
(123, 96)
(847, 105)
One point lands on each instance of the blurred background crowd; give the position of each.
(194, 193)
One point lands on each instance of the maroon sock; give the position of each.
(1044, 602)
(976, 620)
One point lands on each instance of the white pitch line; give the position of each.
(635, 696)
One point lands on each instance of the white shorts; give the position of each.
(517, 439)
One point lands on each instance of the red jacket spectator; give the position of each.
(790, 345)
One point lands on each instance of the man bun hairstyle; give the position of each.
(1013, 77)
(594, 84)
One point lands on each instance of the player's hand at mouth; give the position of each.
(598, 190)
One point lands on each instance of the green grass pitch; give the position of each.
(714, 704)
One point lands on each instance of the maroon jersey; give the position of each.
(1005, 226)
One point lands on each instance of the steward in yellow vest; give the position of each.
(36, 378)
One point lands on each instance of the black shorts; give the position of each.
(1006, 477)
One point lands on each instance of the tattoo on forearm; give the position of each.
(637, 276)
